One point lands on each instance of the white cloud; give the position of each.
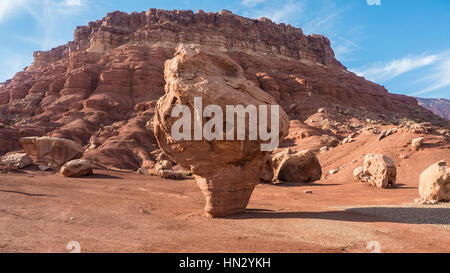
(8, 6)
(279, 14)
(385, 71)
(439, 76)
(374, 2)
(74, 3)
(252, 3)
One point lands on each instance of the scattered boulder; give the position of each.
(77, 167)
(417, 143)
(347, 140)
(381, 170)
(226, 171)
(51, 151)
(360, 176)
(434, 183)
(18, 160)
(170, 174)
(328, 140)
(301, 167)
(324, 149)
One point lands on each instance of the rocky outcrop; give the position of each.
(301, 167)
(380, 170)
(51, 151)
(76, 168)
(225, 170)
(434, 183)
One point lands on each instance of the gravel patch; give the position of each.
(438, 214)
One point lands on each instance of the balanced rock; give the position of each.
(434, 183)
(18, 160)
(77, 167)
(381, 170)
(51, 151)
(301, 167)
(226, 171)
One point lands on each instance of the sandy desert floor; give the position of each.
(122, 212)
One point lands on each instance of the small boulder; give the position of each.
(380, 169)
(434, 183)
(170, 174)
(327, 140)
(77, 167)
(417, 143)
(301, 167)
(19, 160)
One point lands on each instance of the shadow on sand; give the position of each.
(409, 215)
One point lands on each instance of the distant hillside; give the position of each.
(440, 107)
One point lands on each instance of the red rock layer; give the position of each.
(100, 89)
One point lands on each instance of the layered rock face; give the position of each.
(440, 107)
(100, 89)
(226, 169)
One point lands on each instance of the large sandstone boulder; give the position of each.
(435, 183)
(51, 151)
(225, 170)
(77, 167)
(301, 167)
(18, 160)
(381, 170)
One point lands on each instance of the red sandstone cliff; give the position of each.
(100, 89)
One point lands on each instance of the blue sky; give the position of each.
(401, 44)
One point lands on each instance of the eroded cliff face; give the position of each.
(100, 89)
(440, 107)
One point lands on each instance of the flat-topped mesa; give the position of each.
(223, 30)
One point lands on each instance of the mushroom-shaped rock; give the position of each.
(226, 168)
(51, 151)
(301, 167)
(434, 183)
(77, 167)
(380, 169)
